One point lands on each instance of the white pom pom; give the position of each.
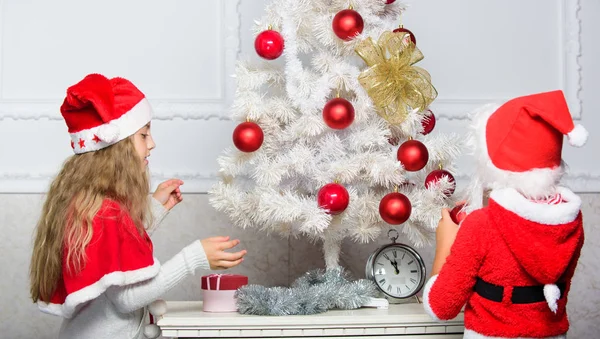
(578, 136)
(552, 294)
(151, 331)
(108, 133)
(158, 308)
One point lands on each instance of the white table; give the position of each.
(185, 319)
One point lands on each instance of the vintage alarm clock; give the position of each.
(397, 270)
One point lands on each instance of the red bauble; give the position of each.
(413, 155)
(338, 113)
(433, 177)
(428, 123)
(404, 30)
(269, 44)
(248, 137)
(334, 198)
(395, 208)
(347, 24)
(457, 214)
(387, 2)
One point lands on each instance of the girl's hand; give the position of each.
(445, 235)
(168, 193)
(217, 257)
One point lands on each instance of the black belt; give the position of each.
(520, 294)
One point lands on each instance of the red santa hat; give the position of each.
(519, 144)
(100, 112)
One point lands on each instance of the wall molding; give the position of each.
(577, 181)
(198, 182)
(445, 108)
(165, 109)
(570, 73)
(38, 183)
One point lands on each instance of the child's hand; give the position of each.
(216, 255)
(168, 193)
(446, 232)
(445, 235)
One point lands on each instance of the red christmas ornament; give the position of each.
(457, 214)
(334, 198)
(404, 30)
(395, 208)
(433, 177)
(269, 44)
(428, 123)
(413, 155)
(387, 2)
(248, 137)
(347, 24)
(338, 113)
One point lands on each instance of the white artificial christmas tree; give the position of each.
(297, 98)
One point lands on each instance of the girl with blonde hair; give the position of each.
(92, 261)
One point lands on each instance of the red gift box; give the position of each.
(220, 282)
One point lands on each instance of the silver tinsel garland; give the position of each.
(314, 292)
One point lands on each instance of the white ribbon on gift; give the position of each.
(218, 280)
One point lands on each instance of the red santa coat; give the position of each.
(511, 242)
(117, 255)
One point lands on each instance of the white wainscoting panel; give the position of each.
(180, 53)
(483, 51)
(490, 51)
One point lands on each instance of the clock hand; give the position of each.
(395, 264)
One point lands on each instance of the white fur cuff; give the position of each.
(426, 302)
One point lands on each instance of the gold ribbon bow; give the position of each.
(394, 84)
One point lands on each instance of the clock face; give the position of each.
(398, 271)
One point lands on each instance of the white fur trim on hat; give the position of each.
(546, 214)
(108, 133)
(536, 183)
(578, 136)
(552, 294)
(102, 136)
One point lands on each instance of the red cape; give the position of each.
(117, 255)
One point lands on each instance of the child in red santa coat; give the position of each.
(92, 261)
(511, 262)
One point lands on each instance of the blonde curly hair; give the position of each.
(74, 198)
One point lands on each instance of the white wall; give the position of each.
(181, 54)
